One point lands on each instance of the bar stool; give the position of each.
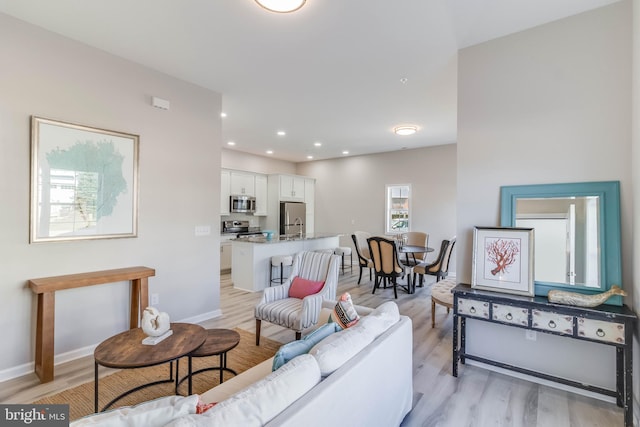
(343, 251)
(281, 261)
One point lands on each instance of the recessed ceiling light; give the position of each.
(318, 144)
(269, 151)
(405, 130)
(345, 152)
(309, 157)
(231, 143)
(281, 6)
(223, 114)
(281, 133)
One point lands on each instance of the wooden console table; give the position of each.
(46, 287)
(605, 324)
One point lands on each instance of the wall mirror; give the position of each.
(576, 233)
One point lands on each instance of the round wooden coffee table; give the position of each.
(218, 342)
(126, 351)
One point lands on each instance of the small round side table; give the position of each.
(218, 342)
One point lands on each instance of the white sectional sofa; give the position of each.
(361, 376)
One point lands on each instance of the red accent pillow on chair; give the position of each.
(301, 288)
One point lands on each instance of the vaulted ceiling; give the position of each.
(341, 73)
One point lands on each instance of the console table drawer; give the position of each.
(601, 330)
(550, 321)
(511, 314)
(469, 307)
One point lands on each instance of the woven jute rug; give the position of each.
(241, 358)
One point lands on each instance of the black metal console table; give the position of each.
(605, 324)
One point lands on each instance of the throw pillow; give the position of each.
(344, 313)
(296, 348)
(301, 288)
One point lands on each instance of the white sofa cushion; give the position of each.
(381, 318)
(332, 352)
(153, 413)
(263, 400)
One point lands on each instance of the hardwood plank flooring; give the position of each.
(478, 397)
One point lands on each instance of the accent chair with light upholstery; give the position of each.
(417, 238)
(386, 264)
(362, 249)
(438, 267)
(293, 312)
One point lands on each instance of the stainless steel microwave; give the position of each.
(242, 204)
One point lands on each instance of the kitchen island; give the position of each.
(251, 257)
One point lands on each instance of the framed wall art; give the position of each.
(84, 182)
(503, 260)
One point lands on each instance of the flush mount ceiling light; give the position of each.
(281, 6)
(405, 130)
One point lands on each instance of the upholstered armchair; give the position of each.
(292, 306)
(417, 238)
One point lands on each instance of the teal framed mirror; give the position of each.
(576, 234)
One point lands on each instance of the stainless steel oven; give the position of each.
(242, 204)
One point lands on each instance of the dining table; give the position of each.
(412, 249)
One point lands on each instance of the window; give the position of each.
(398, 208)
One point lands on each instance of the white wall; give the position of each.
(551, 104)
(350, 191)
(232, 159)
(47, 75)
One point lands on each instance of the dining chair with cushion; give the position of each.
(438, 267)
(296, 304)
(417, 238)
(362, 250)
(386, 265)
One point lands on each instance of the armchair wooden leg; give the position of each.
(298, 335)
(258, 322)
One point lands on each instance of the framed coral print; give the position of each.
(503, 260)
(84, 182)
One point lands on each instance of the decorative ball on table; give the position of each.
(155, 325)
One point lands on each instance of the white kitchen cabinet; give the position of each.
(225, 192)
(243, 183)
(225, 256)
(291, 188)
(261, 195)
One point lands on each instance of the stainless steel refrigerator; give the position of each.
(292, 218)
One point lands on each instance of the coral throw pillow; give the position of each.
(301, 288)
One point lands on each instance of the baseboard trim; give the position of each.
(542, 381)
(28, 368)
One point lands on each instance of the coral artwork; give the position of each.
(502, 253)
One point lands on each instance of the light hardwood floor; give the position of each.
(478, 397)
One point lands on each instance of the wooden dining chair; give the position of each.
(362, 250)
(386, 265)
(417, 238)
(438, 267)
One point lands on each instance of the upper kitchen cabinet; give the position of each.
(225, 192)
(291, 188)
(243, 183)
(261, 195)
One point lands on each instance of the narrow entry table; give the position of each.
(46, 288)
(605, 324)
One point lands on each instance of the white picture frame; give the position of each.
(503, 260)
